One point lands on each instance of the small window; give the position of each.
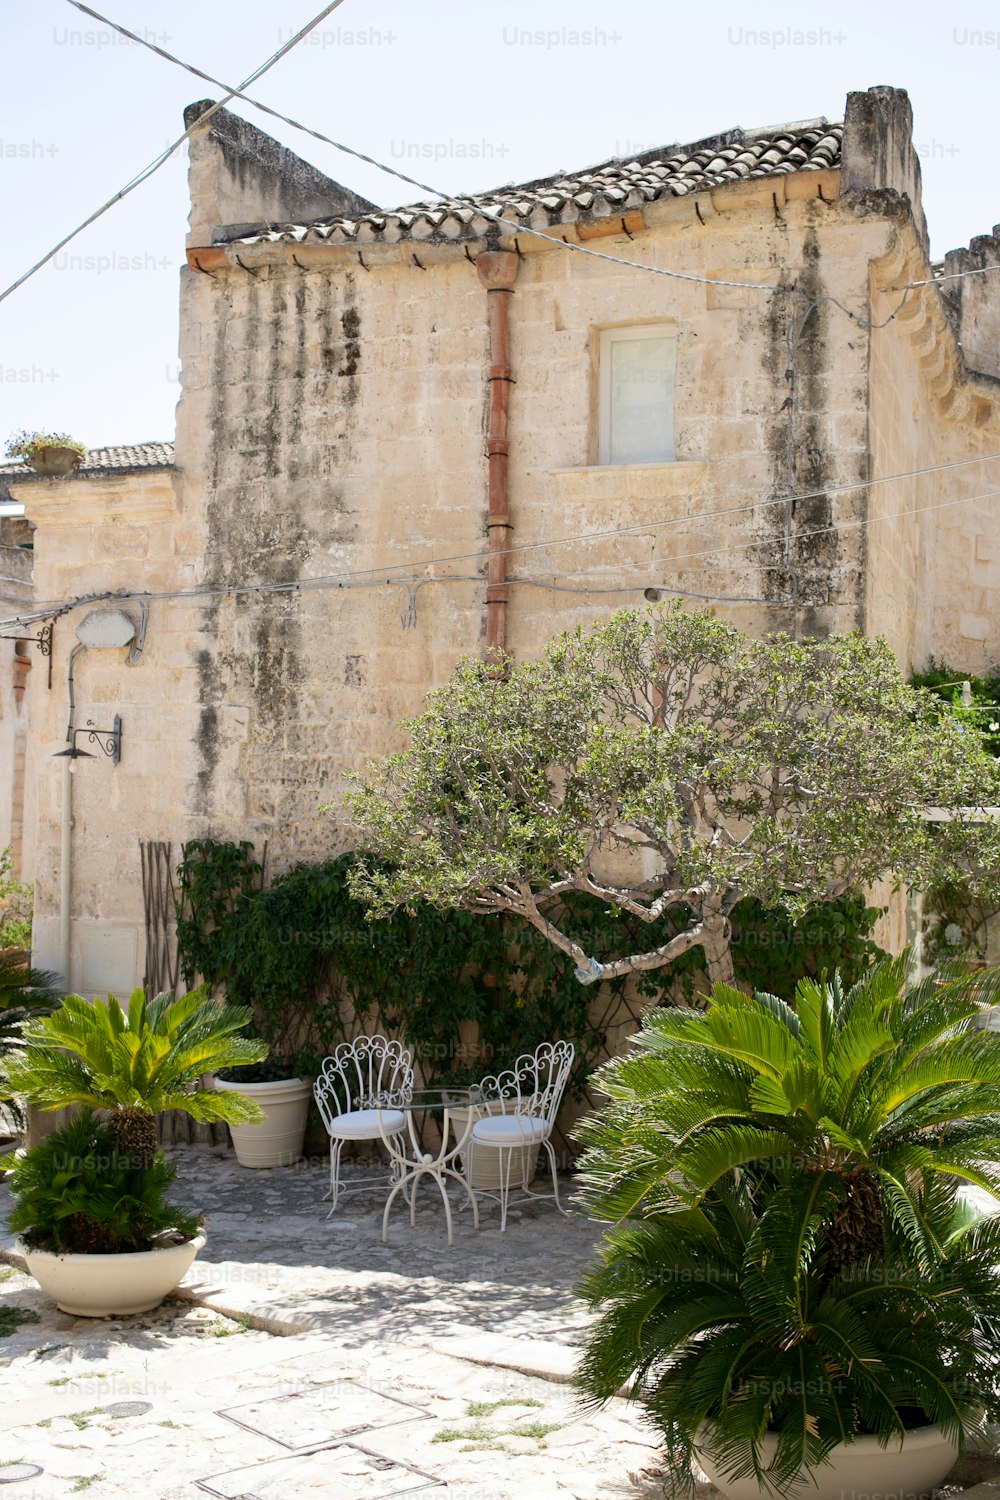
(637, 394)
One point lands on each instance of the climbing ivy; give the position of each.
(303, 955)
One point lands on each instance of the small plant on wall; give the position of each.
(48, 452)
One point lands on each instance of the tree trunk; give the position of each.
(718, 952)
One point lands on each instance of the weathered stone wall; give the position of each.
(331, 441)
(332, 419)
(97, 535)
(17, 660)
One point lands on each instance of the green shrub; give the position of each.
(15, 905)
(303, 956)
(76, 1192)
(792, 1251)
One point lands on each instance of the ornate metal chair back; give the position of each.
(369, 1073)
(536, 1083)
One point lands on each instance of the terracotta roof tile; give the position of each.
(670, 171)
(106, 461)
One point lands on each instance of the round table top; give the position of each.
(452, 1097)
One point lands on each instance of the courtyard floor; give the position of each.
(304, 1357)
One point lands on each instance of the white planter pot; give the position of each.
(905, 1470)
(481, 1164)
(277, 1140)
(103, 1286)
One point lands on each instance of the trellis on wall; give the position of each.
(159, 900)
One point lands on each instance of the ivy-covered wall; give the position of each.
(467, 993)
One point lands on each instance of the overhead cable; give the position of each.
(53, 608)
(165, 155)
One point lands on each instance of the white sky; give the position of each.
(452, 93)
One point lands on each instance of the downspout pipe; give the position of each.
(497, 271)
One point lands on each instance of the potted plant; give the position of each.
(25, 994)
(796, 1287)
(53, 453)
(97, 1232)
(282, 1097)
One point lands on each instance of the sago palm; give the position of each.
(25, 993)
(136, 1063)
(793, 1252)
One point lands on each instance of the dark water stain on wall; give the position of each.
(286, 356)
(803, 466)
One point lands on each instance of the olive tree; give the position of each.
(670, 765)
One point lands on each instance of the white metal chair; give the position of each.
(529, 1096)
(358, 1091)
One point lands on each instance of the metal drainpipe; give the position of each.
(497, 271)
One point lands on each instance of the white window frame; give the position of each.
(609, 337)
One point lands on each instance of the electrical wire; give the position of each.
(483, 554)
(467, 197)
(165, 155)
(517, 548)
(54, 608)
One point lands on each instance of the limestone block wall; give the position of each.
(738, 444)
(933, 558)
(331, 438)
(17, 660)
(93, 536)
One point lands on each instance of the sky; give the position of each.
(464, 96)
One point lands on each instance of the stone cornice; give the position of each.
(135, 499)
(959, 394)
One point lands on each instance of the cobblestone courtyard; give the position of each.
(304, 1357)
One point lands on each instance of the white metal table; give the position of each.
(412, 1163)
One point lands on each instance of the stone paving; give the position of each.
(292, 1332)
(302, 1357)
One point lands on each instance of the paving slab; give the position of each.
(294, 1341)
(295, 1336)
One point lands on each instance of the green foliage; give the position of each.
(77, 1193)
(773, 951)
(15, 905)
(956, 916)
(25, 994)
(214, 876)
(22, 444)
(981, 711)
(24, 989)
(302, 955)
(145, 1060)
(792, 1252)
(733, 768)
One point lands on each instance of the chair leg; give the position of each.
(336, 1146)
(555, 1181)
(504, 1184)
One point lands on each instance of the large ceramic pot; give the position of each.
(905, 1470)
(104, 1286)
(481, 1164)
(55, 461)
(277, 1140)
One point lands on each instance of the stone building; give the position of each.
(407, 435)
(16, 661)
